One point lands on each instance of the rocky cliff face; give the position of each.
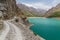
(9, 8)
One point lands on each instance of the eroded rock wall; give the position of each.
(9, 8)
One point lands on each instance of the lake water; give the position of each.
(48, 28)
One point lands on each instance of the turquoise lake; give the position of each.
(48, 28)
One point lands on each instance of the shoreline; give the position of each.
(44, 17)
(35, 17)
(57, 18)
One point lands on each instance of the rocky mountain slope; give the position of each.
(30, 11)
(12, 23)
(9, 9)
(53, 12)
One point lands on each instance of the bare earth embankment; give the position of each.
(17, 31)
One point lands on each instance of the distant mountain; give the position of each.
(53, 12)
(30, 11)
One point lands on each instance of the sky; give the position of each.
(39, 4)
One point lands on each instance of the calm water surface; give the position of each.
(48, 28)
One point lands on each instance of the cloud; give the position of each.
(38, 5)
(55, 2)
(42, 5)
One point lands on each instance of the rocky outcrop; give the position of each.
(9, 8)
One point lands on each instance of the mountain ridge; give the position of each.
(31, 10)
(53, 12)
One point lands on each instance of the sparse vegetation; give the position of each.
(55, 14)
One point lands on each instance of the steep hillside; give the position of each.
(9, 9)
(30, 11)
(53, 12)
(12, 25)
